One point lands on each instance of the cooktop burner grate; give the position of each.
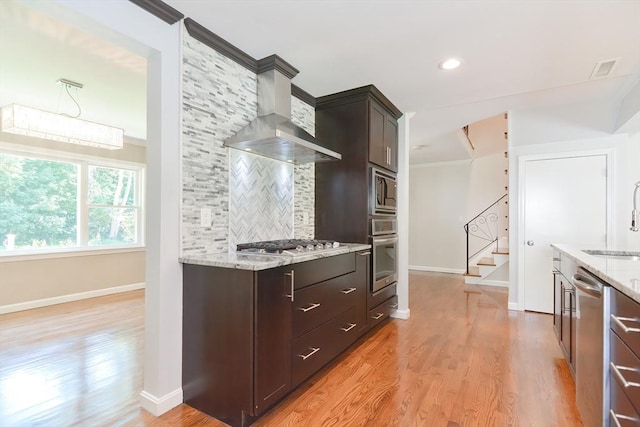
(280, 246)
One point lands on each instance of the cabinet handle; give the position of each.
(388, 155)
(377, 316)
(394, 306)
(625, 328)
(293, 283)
(615, 417)
(364, 253)
(348, 291)
(311, 307)
(314, 350)
(348, 328)
(616, 370)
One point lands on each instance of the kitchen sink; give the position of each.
(624, 255)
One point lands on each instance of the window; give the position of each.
(52, 204)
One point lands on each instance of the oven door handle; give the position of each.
(384, 241)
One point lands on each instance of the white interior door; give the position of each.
(565, 201)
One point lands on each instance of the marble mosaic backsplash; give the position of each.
(251, 198)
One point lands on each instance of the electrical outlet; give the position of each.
(205, 217)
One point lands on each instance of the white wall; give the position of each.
(126, 24)
(571, 128)
(443, 197)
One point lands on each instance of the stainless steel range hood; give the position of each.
(272, 134)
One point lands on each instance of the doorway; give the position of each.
(565, 199)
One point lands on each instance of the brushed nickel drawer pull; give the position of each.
(377, 316)
(311, 307)
(292, 283)
(348, 328)
(314, 350)
(615, 417)
(625, 328)
(616, 370)
(364, 253)
(348, 291)
(394, 306)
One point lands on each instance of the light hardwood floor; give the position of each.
(462, 359)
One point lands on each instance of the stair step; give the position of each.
(501, 252)
(471, 275)
(487, 261)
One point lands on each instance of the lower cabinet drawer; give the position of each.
(315, 305)
(624, 369)
(315, 349)
(382, 295)
(625, 320)
(382, 311)
(622, 412)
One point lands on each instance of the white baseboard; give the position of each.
(513, 306)
(401, 314)
(159, 405)
(437, 269)
(27, 305)
(496, 283)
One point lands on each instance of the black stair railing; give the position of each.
(484, 227)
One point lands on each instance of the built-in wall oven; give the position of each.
(384, 262)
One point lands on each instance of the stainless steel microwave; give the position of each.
(383, 200)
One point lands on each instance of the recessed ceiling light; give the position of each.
(247, 149)
(450, 64)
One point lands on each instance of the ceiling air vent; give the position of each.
(604, 68)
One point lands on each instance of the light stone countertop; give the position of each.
(624, 275)
(257, 262)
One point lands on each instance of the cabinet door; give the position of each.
(567, 303)
(557, 305)
(272, 337)
(361, 283)
(391, 143)
(377, 150)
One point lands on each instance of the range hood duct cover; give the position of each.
(272, 134)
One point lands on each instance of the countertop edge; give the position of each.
(599, 268)
(263, 262)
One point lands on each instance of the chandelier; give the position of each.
(21, 120)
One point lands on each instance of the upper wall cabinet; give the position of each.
(377, 122)
(383, 137)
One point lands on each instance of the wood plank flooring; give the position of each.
(462, 359)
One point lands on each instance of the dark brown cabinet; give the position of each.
(272, 337)
(361, 124)
(250, 337)
(624, 356)
(564, 310)
(383, 137)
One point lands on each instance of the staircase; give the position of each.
(486, 262)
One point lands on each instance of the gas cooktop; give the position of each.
(287, 246)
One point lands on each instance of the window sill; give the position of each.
(68, 253)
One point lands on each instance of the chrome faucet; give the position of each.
(635, 215)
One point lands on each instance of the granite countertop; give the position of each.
(257, 262)
(622, 274)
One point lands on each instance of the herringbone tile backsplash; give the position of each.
(260, 199)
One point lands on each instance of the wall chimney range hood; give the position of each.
(272, 134)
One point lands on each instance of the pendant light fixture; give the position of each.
(21, 120)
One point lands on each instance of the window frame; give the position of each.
(82, 239)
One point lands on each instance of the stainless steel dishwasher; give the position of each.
(591, 378)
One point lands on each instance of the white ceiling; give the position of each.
(517, 54)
